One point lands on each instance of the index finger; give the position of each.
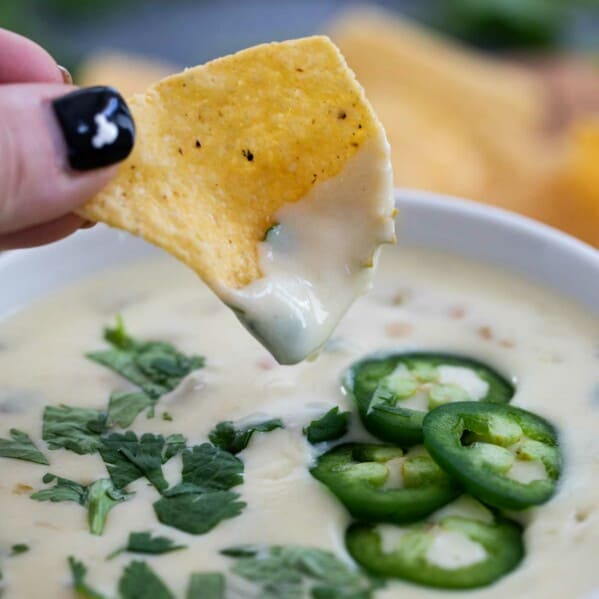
(23, 61)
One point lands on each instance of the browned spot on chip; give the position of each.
(507, 343)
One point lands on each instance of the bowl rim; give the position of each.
(503, 238)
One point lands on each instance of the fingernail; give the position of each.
(97, 127)
(66, 76)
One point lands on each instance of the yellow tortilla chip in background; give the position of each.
(221, 147)
(583, 164)
(129, 74)
(458, 122)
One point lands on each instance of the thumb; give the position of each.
(55, 149)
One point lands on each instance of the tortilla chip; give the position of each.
(221, 147)
(459, 122)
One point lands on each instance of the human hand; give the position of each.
(58, 145)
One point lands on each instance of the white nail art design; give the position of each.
(106, 132)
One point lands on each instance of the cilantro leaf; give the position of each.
(21, 447)
(78, 573)
(99, 498)
(102, 496)
(63, 490)
(226, 436)
(124, 407)
(209, 585)
(329, 427)
(154, 366)
(202, 499)
(139, 581)
(198, 513)
(173, 445)
(211, 468)
(18, 549)
(77, 429)
(128, 458)
(144, 542)
(283, 571)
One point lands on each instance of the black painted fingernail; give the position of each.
(97, 127)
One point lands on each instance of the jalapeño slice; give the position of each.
(394, 392)
(505, 456)
(449, 551)
(379, 483)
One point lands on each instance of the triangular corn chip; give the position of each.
(223, 148)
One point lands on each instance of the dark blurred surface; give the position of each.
(189, 32)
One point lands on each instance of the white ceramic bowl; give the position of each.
(488, 234)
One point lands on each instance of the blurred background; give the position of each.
(492, 100)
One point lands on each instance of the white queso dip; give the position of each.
(545, 346)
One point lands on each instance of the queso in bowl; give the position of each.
(232, 491)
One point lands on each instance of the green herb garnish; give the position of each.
(76, 429)
(203, 497)
(21, 447)
(128, 458)
(78, 573)
(139, 581)
(226, 436)
(19, 549)
(154, 366)
(98, 498)
(124, 407)
(211, 468)
(282, 572)
(209, 585)
(329, 427)
(198, 513)
(144, 542)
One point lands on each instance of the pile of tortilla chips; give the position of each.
(462, 123)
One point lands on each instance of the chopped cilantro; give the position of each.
(99, 498)
(273, 230)
(202, 499)
(226, 436)
(21, 447)
(139, 581)
(144, 542)
(211, 468)
(154, 366)
(128, 458)
(77, 429)
(124, 406)
(329, 427)
(19, 548)
(63, 490)
(167, 416)
(198, 513)
(102, 496)
(208, 585)
(78, 573)
(283, 572)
